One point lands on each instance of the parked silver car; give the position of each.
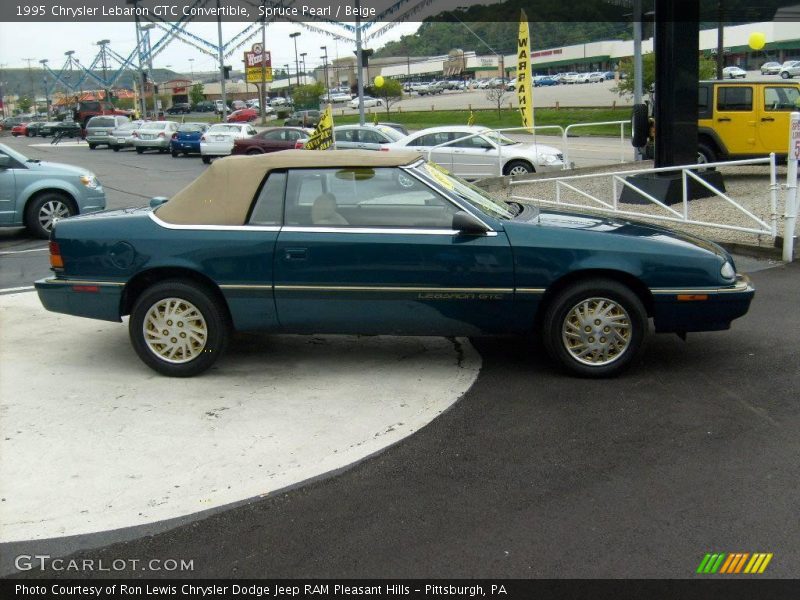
(122, 136)
(154, 135)
(34, 193)
(790, 68)
(99, 128)
(365, 137)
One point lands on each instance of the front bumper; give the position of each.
(701, 309)
(91, 299)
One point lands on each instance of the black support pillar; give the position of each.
(677, 39)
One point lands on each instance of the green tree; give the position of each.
(391, 92)
(196, 94)
(308, 96)
(707, 69)
(24, 104)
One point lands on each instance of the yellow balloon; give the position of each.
(757, 40)
(379, 81)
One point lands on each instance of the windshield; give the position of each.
(191, 127)
(477, 197)
(155, 125)
(220, 128)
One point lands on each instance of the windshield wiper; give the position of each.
(33, 160)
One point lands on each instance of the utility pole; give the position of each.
(262, 93)
(142, 105)
(102, 44)
(303, 60)
(720, 40)
(44, 81)
(2, 95)
(325, 69)
(30, 81)
(360, 65)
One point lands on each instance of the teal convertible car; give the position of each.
(365, 242)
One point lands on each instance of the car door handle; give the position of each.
(723, 119)
(295, 253)
(767, 119)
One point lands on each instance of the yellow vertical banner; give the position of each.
(322, 138)
(524, 79)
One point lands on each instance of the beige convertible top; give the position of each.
(223, 193)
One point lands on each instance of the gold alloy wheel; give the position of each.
(596, 331)
(175, 330)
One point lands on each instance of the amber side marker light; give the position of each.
(56, 261)
(692, 297)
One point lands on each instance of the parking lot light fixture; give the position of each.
(294, 36)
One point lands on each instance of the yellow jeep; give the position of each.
(745, 119)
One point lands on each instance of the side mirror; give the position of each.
(5, 161)
(467, 224)
(157, 201)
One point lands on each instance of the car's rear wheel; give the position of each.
(42, 212)
(254, 151)
(706, 154)
(115, 148)
(518, 167)
(174, 154)
(92, 146)
(594, 328)
(139, 150)
(207, 160)
(785, 75)
(179, 328)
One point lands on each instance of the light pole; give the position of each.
(325, 69)
(191, 68)
(288, 81)
(294, 36)
(142, 105)
(303, 58)
(2, 96)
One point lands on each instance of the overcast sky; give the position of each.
(50, 40)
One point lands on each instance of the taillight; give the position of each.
(298, 145)
(383, 149)
(134, 134)
(161, 135)
(56, 262)
(175, 136)
(202, 138)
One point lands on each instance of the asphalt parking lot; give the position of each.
(531, 473)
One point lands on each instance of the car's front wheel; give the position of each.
(518, 167)
(139, 150)
(179, 328)
(42, 212)
(594, 328)
(207, 160)
(785, 75)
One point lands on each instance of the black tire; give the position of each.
(254, 151)
(174, 154)
(518, 167)
(640, 126)
(40, 212)
(202, 307)
(561, 311)
(92, 146)
(139, 150)
(785, 75)
(115, 148)
(706, 153)
(162, 150)
(207, 160)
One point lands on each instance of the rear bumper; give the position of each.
(701, 309)
(91, 299)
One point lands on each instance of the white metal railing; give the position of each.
(563, 132)
(611, 205)
(622, 144)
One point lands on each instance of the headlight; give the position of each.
(90, 181)
(548, 158)
(727, 271)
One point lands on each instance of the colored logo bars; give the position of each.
(734, 563)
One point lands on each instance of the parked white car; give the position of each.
(154, 135)
(733, 73)
(338, 97)
(570, 77)
(481, 152)
(278, 101)
(596, 77)
(369, 102)
(790, 68)
(218, 140)
(771, 68)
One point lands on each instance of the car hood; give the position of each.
(577, 222)
(51, 168)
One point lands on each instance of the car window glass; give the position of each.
(293, 136)
(364, 197)
(476, 143)
(268, 208)
(781, 98)
(702, 100)
(371, 137)
(345, 135)
(101, 122)
(735, 98)
(272, 135)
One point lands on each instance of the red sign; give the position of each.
(253, 59)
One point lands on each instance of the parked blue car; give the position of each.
(545, 82)
(362, 242)
(187, 139)
(35, 194)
